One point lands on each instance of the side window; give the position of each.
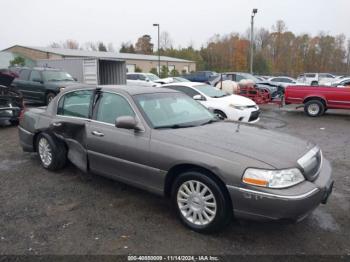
(239, 78)
(186, 90)
(131, 77)
(275, 80)
(24, 74)
(142, 77)
(75, 104)
(35, 76)
(111, 106)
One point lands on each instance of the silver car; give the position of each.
(165, 142)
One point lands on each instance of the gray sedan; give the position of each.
(165, 142)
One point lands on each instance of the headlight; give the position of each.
(61, 89)
(273, 178)
(238, 107)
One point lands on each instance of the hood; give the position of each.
(63, 83)
(275, 149)
(236, 100)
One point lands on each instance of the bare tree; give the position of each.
(165, 41)
(55, 45)
(110, 47)
(70, 44)
(90, 46)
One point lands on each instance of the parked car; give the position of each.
(339, 82)
(317, 100)
(200, 76)
(11, 100)
(284, 81)
(173, 79)
(42, 84)
(315, 79)
(142, 79)
(165, 142)
(275, 90)
(225, 106)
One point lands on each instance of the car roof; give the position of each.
(129, 89)
(188, 84)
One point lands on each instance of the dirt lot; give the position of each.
(64, 213)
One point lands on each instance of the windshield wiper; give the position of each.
(174, 126)
(210, 121)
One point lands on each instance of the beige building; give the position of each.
(133, 61)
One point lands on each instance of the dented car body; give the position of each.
(260, 174)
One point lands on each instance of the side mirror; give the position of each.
(147, 80)
(198, 97)
(127, 122)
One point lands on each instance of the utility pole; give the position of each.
(252, 39)
(157, 25)
(348, 60)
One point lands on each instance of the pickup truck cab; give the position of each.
(317, 100)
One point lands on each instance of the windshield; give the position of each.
(180, 79)
(251, 77)
(57, 76)
(152, 77)
(210, 91)
(172, 110)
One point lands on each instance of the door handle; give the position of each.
(97, 133)
(56, 124)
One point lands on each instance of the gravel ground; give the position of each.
(42, 212)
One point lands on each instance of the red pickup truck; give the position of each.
(317, 99)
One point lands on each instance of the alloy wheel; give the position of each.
(196, 202)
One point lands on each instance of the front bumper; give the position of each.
(291, 204)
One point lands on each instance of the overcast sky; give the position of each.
(40, 22)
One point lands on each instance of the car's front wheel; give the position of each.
(200, 202)
(52, 153)
(221, 115)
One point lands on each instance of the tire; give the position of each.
(314, 108)
(49, 97)
(51, 152)
(314, 83)
(14, 122)
(216, 211)
(221, 115)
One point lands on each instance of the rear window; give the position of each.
(24, 74)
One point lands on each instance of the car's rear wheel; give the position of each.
(200, 202)
(49, 97)
(314, 108)
(52, 153)
(314, 83)
(220, 114)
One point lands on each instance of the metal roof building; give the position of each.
(144, 62)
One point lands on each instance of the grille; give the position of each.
(254, 115)
(311, 163)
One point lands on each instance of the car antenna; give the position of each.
(239, 123)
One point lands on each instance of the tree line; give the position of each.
(276, 52)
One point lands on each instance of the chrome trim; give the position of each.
(336, 101)
(275, 196)
(296, 98)
(24, 130)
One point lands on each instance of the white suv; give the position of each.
(315, 79)
(142, 79)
